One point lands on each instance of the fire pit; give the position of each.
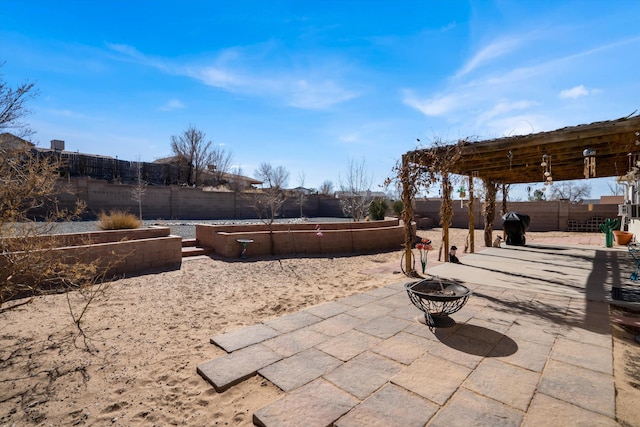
(437, 298)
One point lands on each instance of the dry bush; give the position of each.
(30, 261)
(118, 220)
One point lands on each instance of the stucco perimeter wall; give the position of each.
(303, 239)
(545, 216)
(137, 250)
(174, 202)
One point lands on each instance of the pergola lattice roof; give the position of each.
(516, 159)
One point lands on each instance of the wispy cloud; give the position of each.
(254, 73)
(434, 106)
(505, 107)
(577, 92)
(492, 51)
(173, 104)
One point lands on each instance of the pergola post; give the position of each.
(504, 206)
(407, 215)
(446, 213)
(471, 218)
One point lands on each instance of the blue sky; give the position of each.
(312, 85)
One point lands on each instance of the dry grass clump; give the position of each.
(118, 220)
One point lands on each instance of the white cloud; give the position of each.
(492, 51)
(173, 104)
(574, 92)
(505, 107)
(317, 95)
(435, 106)
(314, 85)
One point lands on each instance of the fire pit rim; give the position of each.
(435, 285)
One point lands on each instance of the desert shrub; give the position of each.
(398, 207)
(378, 209)
(118, 220)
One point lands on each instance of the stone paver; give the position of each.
(585, 388)
(588, 356)
(403, 347)
(235, 367)
(245, 337)
(336, 325)
(547, 411)
(526, 354)
(364, 374)
(357, 300)
(293, 321)
(390, 406)
(383, 327)
(348, 345)
(294, 342)
(462, 350)
(505, 383)
(300, 369)
(328, 309)
(317, 404)
(469, 409)
(369, 311)
(382, 292)
(432, 377)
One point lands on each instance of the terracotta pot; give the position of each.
(622, 237)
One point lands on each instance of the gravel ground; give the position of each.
(184, 228)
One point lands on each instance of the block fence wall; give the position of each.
(174, 202)
(545, 216)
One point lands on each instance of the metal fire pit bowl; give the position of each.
(437, 298)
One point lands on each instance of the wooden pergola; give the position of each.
(600, 149)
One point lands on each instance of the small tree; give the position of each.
(139, 189)
(378, 208)
(29, 263)
(273, 195)
(354, 190)
(326, 188)
(301, 192)
(268, 203)
(192, 146)
(538, 196)
(218, 161)
(574, 192)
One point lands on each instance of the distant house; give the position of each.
(13, 142)
(303, 190)
(240, 182)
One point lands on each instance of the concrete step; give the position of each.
(189, 242)
(188, 251)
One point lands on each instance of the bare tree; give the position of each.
(354, 190)
(616, 188)
(13, 108)
(270, 201)
(139, 189)
(192, 146)
(326, 188)
(301, 192)
(569, 190)
(218, 162)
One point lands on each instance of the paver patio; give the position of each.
(531, 347)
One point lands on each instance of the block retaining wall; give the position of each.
(142, 249)
(302, 239)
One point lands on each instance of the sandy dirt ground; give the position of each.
(145, 335)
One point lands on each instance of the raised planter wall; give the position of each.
(302, 239)
(140, 249)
